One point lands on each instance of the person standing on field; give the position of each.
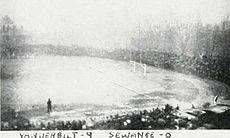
(49, 106)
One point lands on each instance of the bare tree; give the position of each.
(184, 34)
(11, 36)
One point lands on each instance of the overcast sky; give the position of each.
(104, 23)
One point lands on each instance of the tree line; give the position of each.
(198, 49)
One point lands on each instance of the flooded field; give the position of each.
(82, 87)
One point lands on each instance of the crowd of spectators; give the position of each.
(165, 118)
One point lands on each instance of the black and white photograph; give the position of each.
(115, 65)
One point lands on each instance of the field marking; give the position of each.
(116, 83)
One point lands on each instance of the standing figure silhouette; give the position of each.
(49, 106)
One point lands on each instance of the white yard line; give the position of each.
(102, 75)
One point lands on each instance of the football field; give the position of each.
(86, 86)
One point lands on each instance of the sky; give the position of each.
(104, 23)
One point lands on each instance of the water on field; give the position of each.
(80, 87)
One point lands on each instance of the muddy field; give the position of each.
(85, 87)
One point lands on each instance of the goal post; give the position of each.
(135, 64)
